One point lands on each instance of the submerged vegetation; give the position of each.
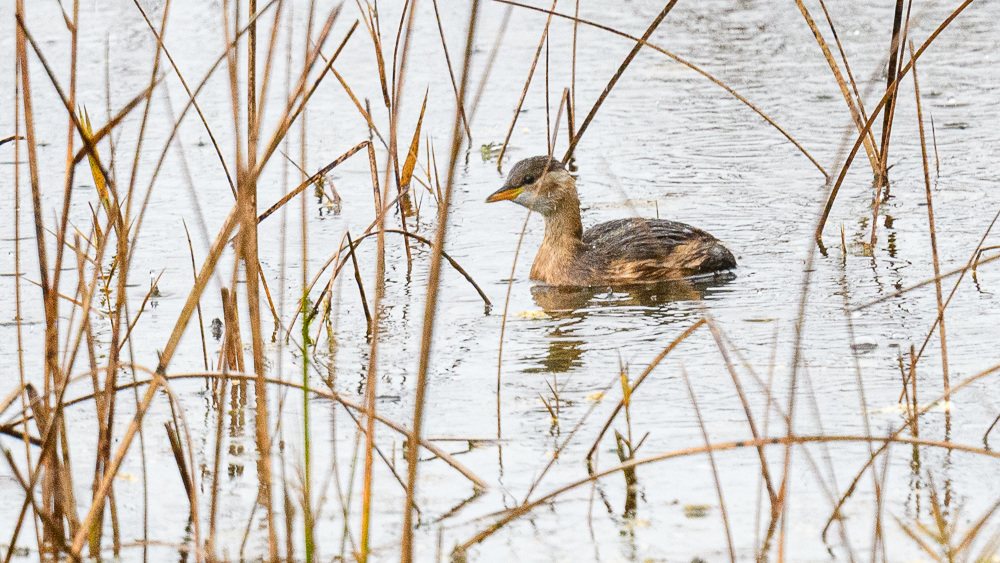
(105, 455)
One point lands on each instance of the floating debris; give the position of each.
(899, 408)
(532, 315)
(696, 510)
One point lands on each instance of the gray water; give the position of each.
(666, 143)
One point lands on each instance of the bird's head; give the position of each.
(540, 183)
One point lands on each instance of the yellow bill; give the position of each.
(504, 193)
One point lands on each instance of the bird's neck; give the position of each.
(563, 243)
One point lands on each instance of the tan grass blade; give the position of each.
(411, 163)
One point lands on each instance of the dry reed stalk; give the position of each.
(201, 322)
(489, 62)
(374, 30)
(776, 498)
(193, 95)
(914, 415)
(890, 92)
(432, 295)
(645, 373)
(908, 424)
(896, 50)
(503, 320)
(312, 180)
(572, 114)
(166, 355)
(957, 271)
(219, 393)
(48, 462)
(454, 264)
(895, 58)
(527, 84)
(341, 263)
(933, 234)
(847, 68)
(514, 513)
(361, 287)
(247, 253)
(272, 50)
(17, 299)
(357, 104)
(614, 79)
(856, 115)
(451, 72)
(371, 378)
(711, 461)
(399, 60)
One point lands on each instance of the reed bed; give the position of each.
(100, 421)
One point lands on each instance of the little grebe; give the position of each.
(620, 252)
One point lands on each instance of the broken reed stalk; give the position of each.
(430, 308)
(933, 234)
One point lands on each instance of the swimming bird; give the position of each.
(619, 252)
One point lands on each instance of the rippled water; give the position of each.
(666, 143)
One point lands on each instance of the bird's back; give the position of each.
(640, 250)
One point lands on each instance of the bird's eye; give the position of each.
(529, 180)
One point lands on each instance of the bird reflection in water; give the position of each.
(569, 306)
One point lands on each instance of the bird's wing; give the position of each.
(638, 239)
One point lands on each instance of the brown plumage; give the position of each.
(623, 251)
